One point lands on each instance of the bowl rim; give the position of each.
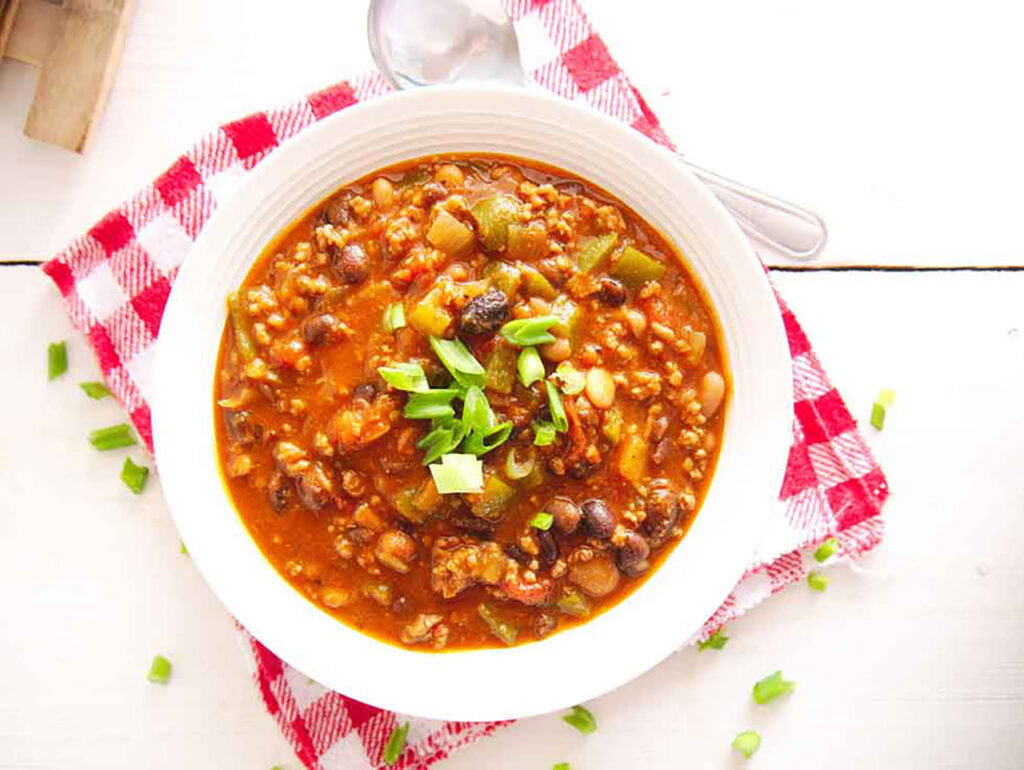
(441, 689)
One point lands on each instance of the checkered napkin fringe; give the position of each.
(115, 280)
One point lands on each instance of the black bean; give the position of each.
(485, 313)
(633, 554)
(580, 469)
(319, 329)
(279, 491)
(662, 511)
(401, 606)
(311, 488)
(471, 524)
(544, 623)
(612, 292)
(350, 263)
(598, 518)
(405, 525)
(513, 551)
(338, 213)
(548, 548)
(566, 513)
(242, 427)
(365, 391)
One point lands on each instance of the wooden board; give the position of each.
(77, 47)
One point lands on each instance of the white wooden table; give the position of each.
(901, 127)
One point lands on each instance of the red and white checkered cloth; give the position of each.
(115, 280)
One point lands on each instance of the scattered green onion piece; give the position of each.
(877, 416)
(714, 642)
(159, 670)
(581, 719)
(816, 580)
(441, 440)
(516, 469)
(184, 550)
(111, 438)
(771, 687)
(531, 368)
(543, 433)
(886, 397)
(529, 331)
(394, 316)
(476, 411)
(542, 520)
(395, 744)
(746, 743)
(458, 474)
(570, 379)
(278, 767)
(459, 361)
(560, 766)
(94, 390)
(826, 550)
(56, 359)
(558, 417)
(134, 476)
(483, 441)
(430, 404)
(409, 377)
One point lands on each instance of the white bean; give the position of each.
(383, 192)
(600, 387)
(712, 391)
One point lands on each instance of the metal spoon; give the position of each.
(426, 42)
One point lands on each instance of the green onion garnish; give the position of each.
(516, 469)
(396, 742)
(542, 520)
(543, 433)
(826, 550)
(56, 359)
(476, 410)
(771, 687)
(134, 476)
(430, 404)
(459, 361)
(531, 368)
(160, 670)
(746, 743)
(558, 417)
(816, 580)
(483, 441)
(94, 390)
(581, 719)
(394, 316)
(714, 642)
(442, 439)
(458, 474)
(877, 416)
(111, 438)
(886, 397)
(529, 331)
(570, 379)
(408, 377)
(184, 550)
(560, 766)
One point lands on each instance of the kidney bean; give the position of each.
(279, 491)
(548, 548)
(318, 329)
(633, 553)
(597, 576)
(598, 518)
(612, 293)
(350, 263)
(662, 511)
(566, 513)
(338, 213)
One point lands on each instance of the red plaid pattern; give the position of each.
(116, 278)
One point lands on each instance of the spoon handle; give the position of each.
(785, 227)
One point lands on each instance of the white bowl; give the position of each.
(569, 667)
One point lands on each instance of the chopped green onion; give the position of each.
(476, 410)
(816, 580)
(405, 377)
(458, 474)
(886, 397)
(394, 316)
(543, 433)
(160, 670)
(134, 476)
(771, 687)
(746, 743)
(441, 440)
(430, 404)
(826, 550)
(570, 379)
(516, 469)
(395, 744)
(542, 520)
(560, 766)
(278, 767)
(581, 719)
(459, 361)
(531, 368)
(111, 438)
(94, 390)
(714, 642)
(184, 550)
(56, 359)
(558, 417)
(529, 331)
(483, 441)
(877, 416)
